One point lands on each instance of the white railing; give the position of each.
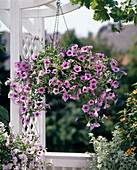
(65, 161)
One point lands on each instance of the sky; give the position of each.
(81, 20)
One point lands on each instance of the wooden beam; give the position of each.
(5, 18)
(15, 52)
(5, 4)
(43, 13)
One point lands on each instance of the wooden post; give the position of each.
(39, 31)
(15, 52)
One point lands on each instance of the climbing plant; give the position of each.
(105, 10)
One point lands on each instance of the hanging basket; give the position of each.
(75, 73)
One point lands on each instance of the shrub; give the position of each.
(109, 155)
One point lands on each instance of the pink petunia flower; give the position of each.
(26, 89)
(123, 72)
(18, 72)
(99, 102)
(88, 76)
(93, 86)
(84, 49)
(26, 121)
(83, 78)
(115, 69)
(55, 91)
(81, 58)
(106, 106)
(101, 56)
(74, 47)
(115, 84)
(65, 97)
(38, 80)
(96, 109)
(103, 94)
(62, 54)
(15, 96)
(29, 103)
(37, 114)
(91, 102)
(85, 108)
(24, 75)
(77, 68)
(69, 53)
(46, 62)
(23, 109)
(71, 61)
(113, 64)
(73, 77)
(14, 85)
(54, 71)
(93, 81)
(91, 114)
(96, 124)
(35, 56)
(79, 92)
(41, 90)
(17, 64)
(65, 65)
(51, 81)
(111, 95)
(74, 97)
(85, 89)
(66, 83)
(109, 81)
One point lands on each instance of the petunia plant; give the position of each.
(20, 151)
(75, 73)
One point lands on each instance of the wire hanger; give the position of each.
(56, 26)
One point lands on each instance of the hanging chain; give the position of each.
(55, 33)
(65, 22)
(56, 26)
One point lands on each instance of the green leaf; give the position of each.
(94, 4)
(101, 15)
(115, 30)
(135, 19)
(87, 3)
(4, 113)
(3, 120)
(2, 48)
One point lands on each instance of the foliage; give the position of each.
(110, 9)
(128, 124)
(63, 133)
(19, 151)
(4, 116)
(78, 74)
(108, 155)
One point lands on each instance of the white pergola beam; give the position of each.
(15, 52)
(5, 4)
(5, 18)
(44, 13)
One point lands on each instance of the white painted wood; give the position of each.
(73, 160)
(43, 13)
(73, 168)
(5, 18)
(39, 31)
(28, 25)
(15, 51)
(5, 4)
